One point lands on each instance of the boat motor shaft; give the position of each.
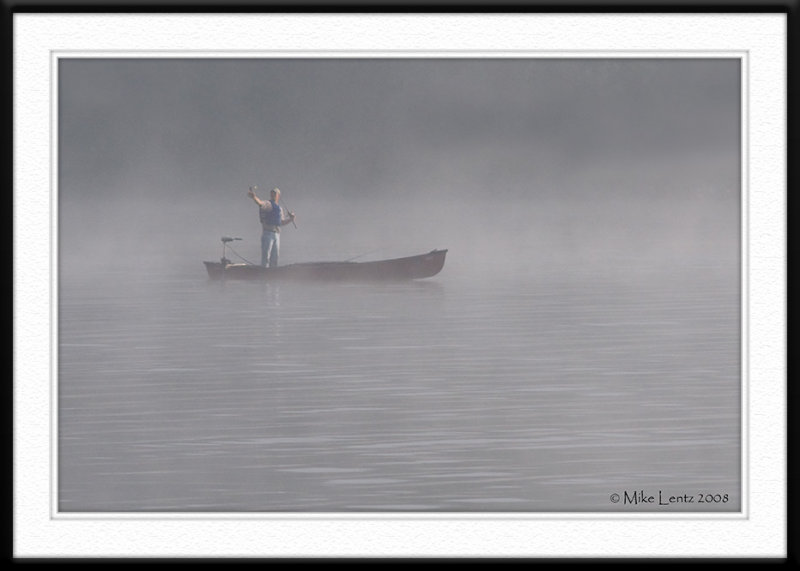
(225, 240)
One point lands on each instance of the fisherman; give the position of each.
(272, 218)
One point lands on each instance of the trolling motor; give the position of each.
(225, 239)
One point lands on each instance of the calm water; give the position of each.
(517, 394)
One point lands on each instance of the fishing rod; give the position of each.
(362, 255)
(238, 255)
(287, 209)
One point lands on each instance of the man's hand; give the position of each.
(291, 216)
(251, 193)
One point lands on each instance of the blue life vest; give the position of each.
(273, 217)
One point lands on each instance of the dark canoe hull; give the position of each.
(410, 268)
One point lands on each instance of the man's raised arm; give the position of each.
(252, 194)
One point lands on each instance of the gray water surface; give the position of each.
(519, 393)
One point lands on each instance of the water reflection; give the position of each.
(442, 395)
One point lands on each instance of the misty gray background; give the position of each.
(582, 339)
(507, 163)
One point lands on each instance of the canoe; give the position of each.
(409, 268)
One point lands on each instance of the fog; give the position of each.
(582, 337)
(510, 164)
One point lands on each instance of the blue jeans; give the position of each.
(270, 244)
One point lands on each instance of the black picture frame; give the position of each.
(12, 9)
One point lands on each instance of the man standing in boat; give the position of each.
(272, 218)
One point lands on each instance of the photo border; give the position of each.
(49, 534)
